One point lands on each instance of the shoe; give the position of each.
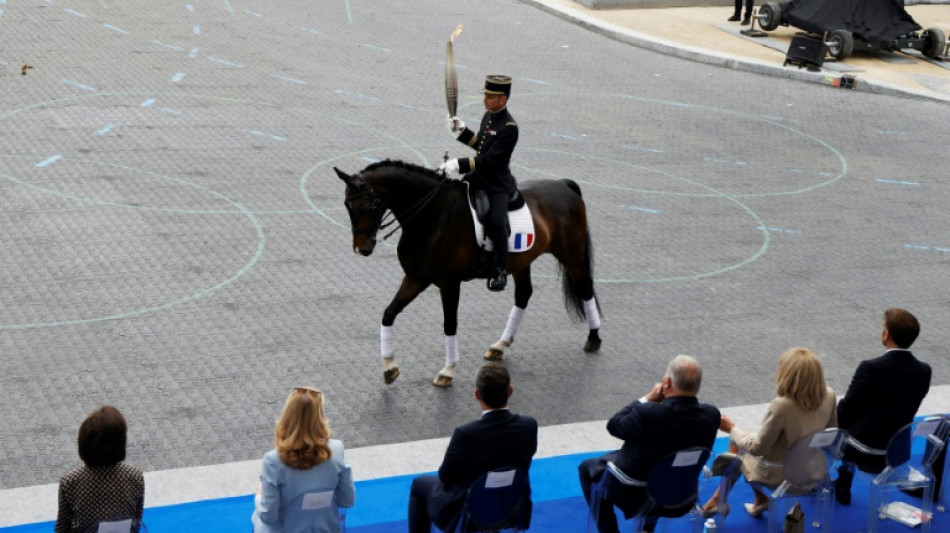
(746, 21)
(499, 282)
(713, 511)
(756, 511)
(734, 18)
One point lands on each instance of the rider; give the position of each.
(493, 143)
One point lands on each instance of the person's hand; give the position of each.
(726, 424)
(656, 393)
(450, 166)
(456, 124)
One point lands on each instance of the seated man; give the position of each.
(666, 420)
(883, 397)
(498, 439)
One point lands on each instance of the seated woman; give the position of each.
(105, 489)
(804, 405)
(305, 460)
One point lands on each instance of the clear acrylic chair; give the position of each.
(672, 491)
(314, 512)
(807, 478)
(911, 453)
(497, 501)
(943, 468)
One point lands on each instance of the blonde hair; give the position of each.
(302, 435)
(801, 378)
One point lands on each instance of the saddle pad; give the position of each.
(522, 229)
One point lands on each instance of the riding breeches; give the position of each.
(496, 227)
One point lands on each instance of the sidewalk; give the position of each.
(702, 34)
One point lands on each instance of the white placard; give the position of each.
(687, 458)
(317, 500)
(927, 427)
(496, 480)
(823, 439)
(119, 526)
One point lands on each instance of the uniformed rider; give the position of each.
(488, 169)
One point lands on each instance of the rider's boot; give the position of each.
(499, 281)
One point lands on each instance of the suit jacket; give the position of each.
(784, 423)
(884, 396)
(494, 143)
(280, 484)
(653, 430)
(498, 439)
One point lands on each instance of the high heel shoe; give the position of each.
(756, 510)
(714, 510)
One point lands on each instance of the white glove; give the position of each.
(450, 166)
(456, 124)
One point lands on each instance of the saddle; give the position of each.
(479, 200)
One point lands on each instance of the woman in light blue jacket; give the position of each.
(302, 471)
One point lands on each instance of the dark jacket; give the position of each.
(653, 430)
(494, 143)
(884, 396)
(498, 439)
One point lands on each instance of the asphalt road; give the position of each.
(176, 243)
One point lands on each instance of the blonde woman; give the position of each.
(304, 460)
(804, 404)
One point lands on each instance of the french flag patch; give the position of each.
(523, 241)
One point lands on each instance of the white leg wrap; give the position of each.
(590, 311)
(386, 341)
(451, 350)
(514, 322)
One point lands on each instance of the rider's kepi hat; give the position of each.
(498, 84)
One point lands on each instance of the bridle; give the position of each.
(383, 217)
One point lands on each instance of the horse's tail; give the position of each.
(576, 291)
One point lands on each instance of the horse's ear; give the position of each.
(344, 176)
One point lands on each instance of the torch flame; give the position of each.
(456, 33)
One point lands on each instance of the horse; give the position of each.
(438, 247)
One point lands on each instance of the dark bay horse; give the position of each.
(438, 247)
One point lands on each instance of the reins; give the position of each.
(409, 213)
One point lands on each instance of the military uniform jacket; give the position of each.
(494, 143)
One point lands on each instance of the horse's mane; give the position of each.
(394, 163)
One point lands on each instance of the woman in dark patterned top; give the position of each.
(105, 489)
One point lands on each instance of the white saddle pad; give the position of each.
(522, 229)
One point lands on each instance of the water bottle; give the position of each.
(709, 526)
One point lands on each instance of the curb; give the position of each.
(640, 40)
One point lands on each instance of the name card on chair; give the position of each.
(927, 427)
(119, 526)
(823, 439)
(496, 480)
(689, 458)
(317, 500)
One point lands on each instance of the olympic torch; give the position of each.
(451, 77)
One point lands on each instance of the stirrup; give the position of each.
(499, 281)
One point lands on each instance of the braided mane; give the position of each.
(395, 163)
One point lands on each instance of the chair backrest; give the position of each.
(496, 499)
(315, 512)
(927, 432)
(812, 457)
(674, 480)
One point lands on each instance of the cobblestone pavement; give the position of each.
(176, 243)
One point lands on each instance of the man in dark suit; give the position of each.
(884, 396)
(488, 169)
(498, 439)
(668, 419)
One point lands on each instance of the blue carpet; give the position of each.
(558, 507)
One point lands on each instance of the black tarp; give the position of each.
(878, 22)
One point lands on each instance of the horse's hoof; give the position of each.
(442, 381)
(390, 374)
(592, 345)
(494, 354)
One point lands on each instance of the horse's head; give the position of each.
(365, 209)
